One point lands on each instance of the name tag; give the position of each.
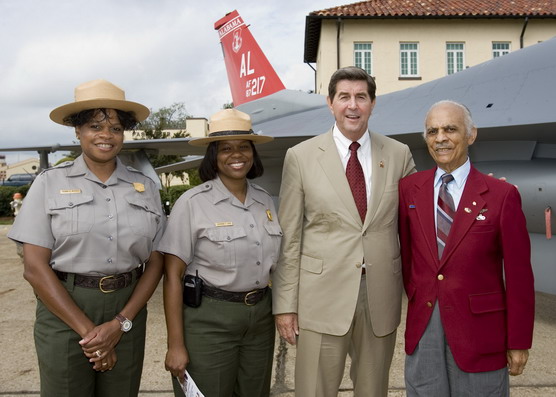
(218, 224)
(70, 191)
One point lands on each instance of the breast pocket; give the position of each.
(71, 214)
(275, 234)
(225, 241)
(143, 216)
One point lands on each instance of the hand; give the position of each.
(516, 361)
(176, 362)
(102, 339)
(287, 326)
(107, 363)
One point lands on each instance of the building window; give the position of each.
(499, 49)
(363, 56)
(409, 60)
(454, 57)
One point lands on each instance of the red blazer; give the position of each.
(484, 282)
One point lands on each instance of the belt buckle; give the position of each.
(246, 298)
(106, 291)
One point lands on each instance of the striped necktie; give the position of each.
(445, 214)
(356, 180)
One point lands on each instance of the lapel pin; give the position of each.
(481, 217)
(411, 205)
(381, 164)
(139, 187)
(468, 210)
(483, 210)
(269, 215)
(474, 203)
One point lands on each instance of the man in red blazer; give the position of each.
(466, 269)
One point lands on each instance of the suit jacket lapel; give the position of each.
(378, 179)
(424, 203)
(469, 207)
(332, 166)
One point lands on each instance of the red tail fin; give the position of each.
(250, 74)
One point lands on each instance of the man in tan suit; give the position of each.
(338, 285)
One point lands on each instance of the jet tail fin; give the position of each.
(250, 74)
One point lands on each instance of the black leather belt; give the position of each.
(250, 298)
(104, 283)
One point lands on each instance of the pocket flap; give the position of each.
(273, 230)
(61, 202)
(312, 265)
(485, 303)
(227, 233)
(142, 203)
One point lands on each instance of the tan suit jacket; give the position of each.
(324, 241)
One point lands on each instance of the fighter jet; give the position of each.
(512, 99)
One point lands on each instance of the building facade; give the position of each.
(403, 43)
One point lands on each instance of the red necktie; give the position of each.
(445, 213)
(356, 180)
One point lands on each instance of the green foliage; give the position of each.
(171, 194)
(6, 196)
(69, 157)
(194, 178)
(156, 126)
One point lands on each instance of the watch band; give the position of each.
(125, 323)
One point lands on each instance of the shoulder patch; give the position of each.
(203, 187)
(257, 187)
(65, 164)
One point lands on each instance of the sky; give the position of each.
(159, 51)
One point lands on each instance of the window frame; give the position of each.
(453, 52)
(408, 52)
(363, 52)
(501, 51)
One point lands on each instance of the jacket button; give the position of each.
(358, 265)
(429, 304)
(440, 277)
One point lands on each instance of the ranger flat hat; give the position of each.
(98, 94)
(230, 124)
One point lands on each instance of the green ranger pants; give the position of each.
(230, 347)
(64, 369)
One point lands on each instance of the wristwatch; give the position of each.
(125, 323)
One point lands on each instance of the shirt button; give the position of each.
(110, 238)
(440, 277)
(108, 199)
(256, 282)
(258, 243)
(258, 263)
(110, 216)
(228, 238)
(70, 204)
(251, 225)
(358, 265)
(104, 186)
(109, 260)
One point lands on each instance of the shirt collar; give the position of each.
(342, 143)
(222, 193)
(80, 168)
(460, 174)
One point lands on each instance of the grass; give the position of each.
(6, 220)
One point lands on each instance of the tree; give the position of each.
(157, 126)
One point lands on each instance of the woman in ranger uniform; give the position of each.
(226, 233)
(89, 230)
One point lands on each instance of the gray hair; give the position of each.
(467, 120)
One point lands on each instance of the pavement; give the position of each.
(19, 371)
